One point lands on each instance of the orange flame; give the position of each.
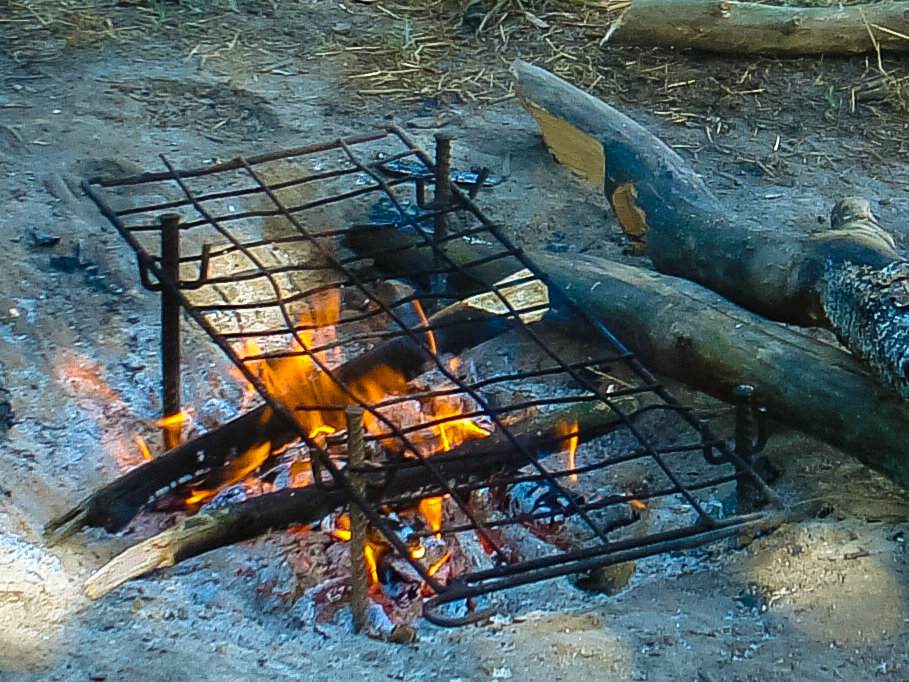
(369, 553)
(438, 564)
(431, 509)
(235, 471)
(172, 425)
(430, 337)
(569, 432)
(143, 448)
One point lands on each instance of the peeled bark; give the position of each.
(790, 276)
(752, 28)
(688, 231)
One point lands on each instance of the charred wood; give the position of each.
(204, 459)
(476, 459)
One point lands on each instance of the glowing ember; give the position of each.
(432, 570)
(569, 432)
(143, 448)
(342, 528)
(418, 552)
(637, 505)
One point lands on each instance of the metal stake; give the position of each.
(441, 200)
(746, 446)
(356, 459)
(170, 324)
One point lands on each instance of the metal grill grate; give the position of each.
(267, 254)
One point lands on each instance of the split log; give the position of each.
(684, 331)
(752, 28)
(475, 459)
(657, 196)
(204, 459)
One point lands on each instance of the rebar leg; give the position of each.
(356, 459)
(170, 325)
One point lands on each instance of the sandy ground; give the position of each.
(821, 599)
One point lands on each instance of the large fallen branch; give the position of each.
(790, 276)
(684, 331)
(752, 28)
(476, 459)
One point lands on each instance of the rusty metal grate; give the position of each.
(257, 251)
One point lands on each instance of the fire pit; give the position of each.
(413, 366)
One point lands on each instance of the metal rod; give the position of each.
(356, 459)
(746, 491)
(441, 200)
(170, 325)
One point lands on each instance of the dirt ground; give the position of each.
(88, 87)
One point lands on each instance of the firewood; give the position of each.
(822, 278)
(689, 333)
(688, 231)
(752, 28)
(474, 459)
(458, 326)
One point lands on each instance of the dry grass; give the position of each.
(426, 53)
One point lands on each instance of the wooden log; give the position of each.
(207, 458)
(684, 331)
(475, 459)
(752, 28)
(688, 232)
(790, 277)
(691, 334)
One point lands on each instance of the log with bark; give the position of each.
(475, 459)
(684, 331)
(753, 28)
(790, 277)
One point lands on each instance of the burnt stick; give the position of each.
(477, 459)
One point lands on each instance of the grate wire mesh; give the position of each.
(413, 330)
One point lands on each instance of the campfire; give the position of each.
(414, 389)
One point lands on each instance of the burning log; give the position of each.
(687, 332)
(476, 459)
(457, 326)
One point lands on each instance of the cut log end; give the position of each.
(852, 296)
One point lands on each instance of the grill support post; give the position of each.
(441, 200)
(747, 444)
(170, 325)
(356, 460)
